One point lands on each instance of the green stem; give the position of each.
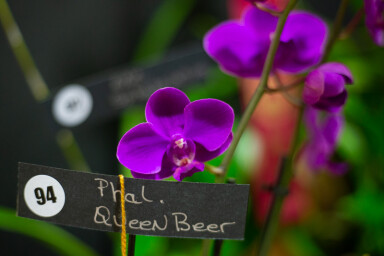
(71, 150)
(32, 75)
(284, 88)
(213, 169)
(336, 28)
(282, 184)
(37, 85)
(258, 93)
(266, 9)
(166, 21)
(286, 172)
(352, 24)
(297, 102)
(205, 247)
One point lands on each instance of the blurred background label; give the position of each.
(112, 92)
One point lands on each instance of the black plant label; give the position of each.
(153, 208)
(89, 101)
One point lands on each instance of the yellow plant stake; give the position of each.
(123, 220)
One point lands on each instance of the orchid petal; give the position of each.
(338, 68)
(167, 169)
(302, 42)
(263, 23)
(334, 84)
(314, 87)
(374, 19)
(165, 110)
(332, 128)
(141, 149)
(317, 152)
(332, 104)
(203, 155)
(337, 168)
(208, 122)
(236, 48)
(188, 170)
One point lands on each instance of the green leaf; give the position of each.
(360, 114)
(300, 242)
(166, 22)
(56, 238)
(353, 144)
(364, 207)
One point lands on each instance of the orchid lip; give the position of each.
(181, 151)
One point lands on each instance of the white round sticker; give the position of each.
(44, 195)
(72, 105)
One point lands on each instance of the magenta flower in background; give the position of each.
(323, 136)
(256, 1)
(374, 19)
(240, 47)
(324, 87)
(178, 138)
(275, 5)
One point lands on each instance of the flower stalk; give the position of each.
(280, 190)
(336, 28)
(286, 172)
(263, 8)
(290, 98)
(352, 24)
(258, 93)
(38, 87)
(35, 81)
(284, 88)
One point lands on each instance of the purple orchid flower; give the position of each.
(325, 86)
(324, 134)
(374, 19)
(256, 1)
(271, 5)
(240, 47)
(178, 138)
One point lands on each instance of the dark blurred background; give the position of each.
(70, 40)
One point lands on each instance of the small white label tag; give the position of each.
(72, 105)
(44, 195)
